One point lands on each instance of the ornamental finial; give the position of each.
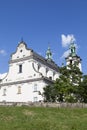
(48, 54)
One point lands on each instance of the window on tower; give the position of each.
(70, 62)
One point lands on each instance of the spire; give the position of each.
(72, 49)
(48, 54)
(22, 39)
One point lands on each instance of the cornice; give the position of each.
(39, 58)
(21, 59)
(74, 57)
(47, 80)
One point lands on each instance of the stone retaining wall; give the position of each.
(42, 104)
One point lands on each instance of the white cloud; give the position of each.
(2, 52)
(65, 54)
(67, 39)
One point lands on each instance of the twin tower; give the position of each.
(72, 57)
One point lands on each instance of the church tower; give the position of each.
(73, 58)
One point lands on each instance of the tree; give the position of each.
(49, 93)
(67, 84)
(66, 87)
(83, 89)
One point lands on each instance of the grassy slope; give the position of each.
(29, 118)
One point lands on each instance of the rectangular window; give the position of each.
(35, 99)
(35, 88)
(4, 92)
(20, 68)
(19, 90)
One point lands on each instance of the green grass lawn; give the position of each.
(33, 118)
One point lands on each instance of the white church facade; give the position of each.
(28, 74)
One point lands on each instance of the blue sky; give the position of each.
(42, 23)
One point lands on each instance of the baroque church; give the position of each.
(29, 73)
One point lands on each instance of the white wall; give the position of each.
(27, 92)
(31, 69)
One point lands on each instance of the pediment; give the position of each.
(21, 51)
